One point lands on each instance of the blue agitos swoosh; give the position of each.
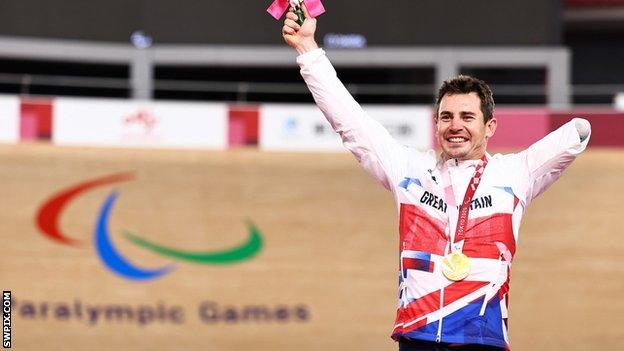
(110, 256)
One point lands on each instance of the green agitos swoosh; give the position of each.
(239, 253)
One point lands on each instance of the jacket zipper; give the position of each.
(439, 334)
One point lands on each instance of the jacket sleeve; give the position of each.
(378, 153)
(546, 160)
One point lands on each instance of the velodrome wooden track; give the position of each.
(330, 244)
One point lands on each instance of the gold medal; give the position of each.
(456, 266)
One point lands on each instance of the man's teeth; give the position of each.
(456, 140)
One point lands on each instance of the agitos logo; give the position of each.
(48, 222)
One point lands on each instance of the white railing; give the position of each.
(446, 62)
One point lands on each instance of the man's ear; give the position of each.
(490, 128)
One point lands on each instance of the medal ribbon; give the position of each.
(278, 7)
(464, 208)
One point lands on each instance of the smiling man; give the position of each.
(459, 211)
(465, 118)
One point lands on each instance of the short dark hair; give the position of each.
(464, 84)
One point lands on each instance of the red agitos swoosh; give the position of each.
(49, 212)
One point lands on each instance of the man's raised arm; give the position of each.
(380, 155)
(546, 159)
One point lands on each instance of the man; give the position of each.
(459, 212)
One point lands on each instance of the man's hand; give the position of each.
(301, 38)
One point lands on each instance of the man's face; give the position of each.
(460, 127)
